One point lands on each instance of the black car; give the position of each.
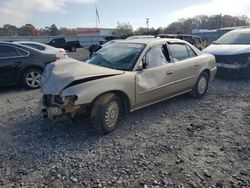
(21, 64)
(192, 39)
(71, 46)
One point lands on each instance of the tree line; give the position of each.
(125, 29)
(31, 30)
(185, 26)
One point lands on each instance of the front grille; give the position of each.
(232, 59)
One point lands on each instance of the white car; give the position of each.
(60, 52)
(232, 53)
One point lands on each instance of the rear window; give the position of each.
(36, 46)
(22, 52)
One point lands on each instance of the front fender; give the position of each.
(88, 91)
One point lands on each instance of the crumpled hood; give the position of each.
(62, 73)
(225, 49)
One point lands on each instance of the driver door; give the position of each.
(152, 83)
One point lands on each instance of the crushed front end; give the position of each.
(233, 65)
(55, 105)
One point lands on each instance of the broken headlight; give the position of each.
(70, 100)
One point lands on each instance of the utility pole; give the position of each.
(147, 22)
(220, 24)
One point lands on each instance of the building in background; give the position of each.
(95, 32)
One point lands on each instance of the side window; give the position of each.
(179, 51)
(22, 52)
(157, 56)
(8, 51)
(191, 51)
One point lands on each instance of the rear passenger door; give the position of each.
(186, 66)
(10, 64)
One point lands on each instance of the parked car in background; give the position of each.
(60, 52)
(125, 76)
(71, 46)
(232, 53)
(192, 39)
(95, 47)
(21, 64)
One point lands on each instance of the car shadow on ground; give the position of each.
(37, 129)
(12, 89)
(49, 140)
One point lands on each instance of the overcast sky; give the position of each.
(81, 13)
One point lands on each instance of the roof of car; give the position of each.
(31, 42)
(48, 47)
(21, 46)
(247, 30)
(177, 35)
(149, 41)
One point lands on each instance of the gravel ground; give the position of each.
(182, 142)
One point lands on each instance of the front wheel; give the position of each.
(201, 86)
(31, 78)
(106, 113)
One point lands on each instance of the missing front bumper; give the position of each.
(53, 112)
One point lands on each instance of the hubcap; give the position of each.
(112, 114)
(33, 79)
(202, 85)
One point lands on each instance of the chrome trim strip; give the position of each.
(137, 108)
(166, 85)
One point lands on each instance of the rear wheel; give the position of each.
(106, 113)
(201, 86)
(31, 78)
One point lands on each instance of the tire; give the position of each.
(201, 86)
(31, 78)
(73, 49)
(106, 113)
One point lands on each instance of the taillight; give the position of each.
(58, 58)
(63, 52)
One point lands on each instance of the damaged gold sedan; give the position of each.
(125, 76)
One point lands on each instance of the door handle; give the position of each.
(197, 65)
(169, 72)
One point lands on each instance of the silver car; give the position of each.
(60, 52)
(123, 77)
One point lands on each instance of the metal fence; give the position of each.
(85, 41)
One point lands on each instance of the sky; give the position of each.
(82, 13)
